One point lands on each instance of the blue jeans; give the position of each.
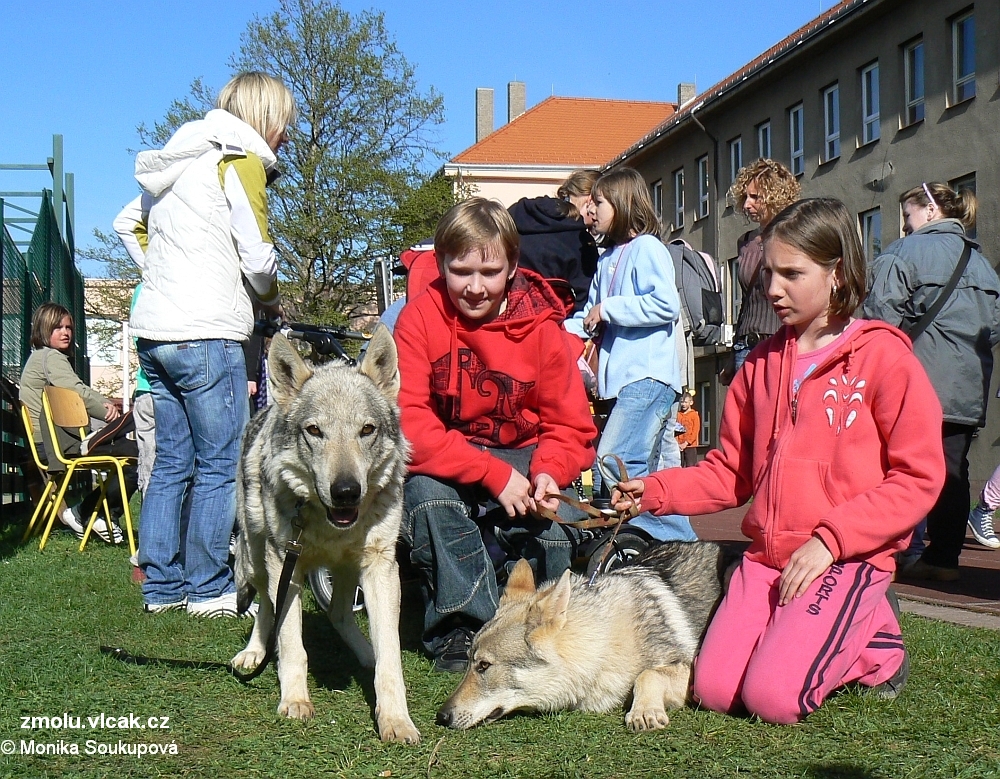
(637, 424)
(463, 545)
(200, 406)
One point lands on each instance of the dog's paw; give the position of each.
(648, 719)
(248, 659)
(399, 729)
(297, 709)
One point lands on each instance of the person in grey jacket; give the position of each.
(955, 349)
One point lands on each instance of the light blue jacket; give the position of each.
(642, 309)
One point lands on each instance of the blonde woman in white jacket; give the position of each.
(197, 231)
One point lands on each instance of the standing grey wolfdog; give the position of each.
(570, 645)
(327, 458)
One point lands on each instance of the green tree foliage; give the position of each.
(355, 155)
(354, 186)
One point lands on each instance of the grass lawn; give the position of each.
(56, 607)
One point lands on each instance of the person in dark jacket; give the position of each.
(555, 243)
(955, 349)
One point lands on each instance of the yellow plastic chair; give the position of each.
(64, 408)
(53, 481)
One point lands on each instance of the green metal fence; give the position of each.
(45, 273)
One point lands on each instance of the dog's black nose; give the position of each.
(443, 718)
(346, 492)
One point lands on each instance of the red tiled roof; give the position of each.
(568, 131)
(814, 27)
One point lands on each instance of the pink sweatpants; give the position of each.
(991, 491)
(780, 663)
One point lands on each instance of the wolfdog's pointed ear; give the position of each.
(381, 362)
(520, 583)
(286, 370)
(550, 610)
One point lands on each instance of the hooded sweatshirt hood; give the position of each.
(537, 215)
(158, 169)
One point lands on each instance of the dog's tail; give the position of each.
(242, 568)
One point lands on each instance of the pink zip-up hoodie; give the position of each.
(853, 458)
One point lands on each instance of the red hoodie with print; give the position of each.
(853, 458)
(512, 382)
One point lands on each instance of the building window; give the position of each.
(703, 187)
(963, 49)
(104, 342)
(869, 104)
(764, 140)
(968, 182)
(735, 157)
(871, 233)
(831, 123)
(656, 193)
(678, 199)
(913, 64)
(796, 130)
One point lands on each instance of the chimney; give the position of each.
(516, 99)
(484, 112)
(686, 93)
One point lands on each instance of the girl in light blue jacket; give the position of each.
(634, 309)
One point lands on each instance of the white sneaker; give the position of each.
(71, 518)
(159, 608)
(101, 529)
(222, 606)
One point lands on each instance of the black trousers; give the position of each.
(946, 522)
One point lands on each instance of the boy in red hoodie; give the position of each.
(496, 415)
(832, 426)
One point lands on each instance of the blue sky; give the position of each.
(94, 70)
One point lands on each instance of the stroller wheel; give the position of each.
(321, 583)
(627, 545)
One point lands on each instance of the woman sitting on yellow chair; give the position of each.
(48, 364)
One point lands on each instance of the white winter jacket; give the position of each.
(199, 230)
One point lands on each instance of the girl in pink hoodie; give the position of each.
(832, 427)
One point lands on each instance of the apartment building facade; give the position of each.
(869, 99)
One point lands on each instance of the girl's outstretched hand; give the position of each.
(622, 502)
(806, 563)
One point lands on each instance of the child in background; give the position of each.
(634, 309)
(691, 421)
(832, 428)
(494, 409)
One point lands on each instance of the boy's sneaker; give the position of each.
(159, 608)
(101, 529)
(981, 524)
(222, 606)
(453, 656)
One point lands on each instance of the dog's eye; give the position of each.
(482, 665)
(314, 431)
(367, 430)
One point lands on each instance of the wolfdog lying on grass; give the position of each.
(568, 645)
(328, 457)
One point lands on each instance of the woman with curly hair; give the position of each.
(761, 191)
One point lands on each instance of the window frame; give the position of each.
(912, 104)
(656, 195)
(865, 220)
(735, 157)
(678, 178)
(870, 121)
(764, 127)
(957, 81)
(704, 188)
(797, 126)
(831, 116)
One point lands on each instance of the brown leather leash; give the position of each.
(598, 518)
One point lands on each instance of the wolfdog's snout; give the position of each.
(345, 493)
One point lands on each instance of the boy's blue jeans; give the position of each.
(461, 541)
(200, 406)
